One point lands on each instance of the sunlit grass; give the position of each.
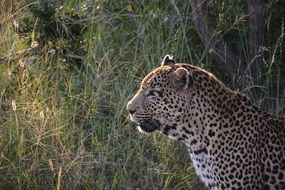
(65, 127)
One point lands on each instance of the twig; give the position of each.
(22, 54)
(256, 25)
(131, 16)
(225, 58)
(183, 29)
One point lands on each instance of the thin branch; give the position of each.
(21, 54)
(256, 30)
(130, 16)
(226, 60)
(183, 29)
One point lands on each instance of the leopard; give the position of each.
(232, 142)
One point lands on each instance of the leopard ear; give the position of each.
(167, 60)
(181, 78)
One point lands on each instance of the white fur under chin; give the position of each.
(142, 131)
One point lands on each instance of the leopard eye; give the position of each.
(151, 93)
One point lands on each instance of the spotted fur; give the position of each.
(232, 143)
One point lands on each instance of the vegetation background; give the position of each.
(68, 68)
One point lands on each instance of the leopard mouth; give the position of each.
(149, 125)
(145, 124)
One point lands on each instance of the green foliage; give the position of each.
(63, 118)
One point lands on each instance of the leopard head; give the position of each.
(162, 97)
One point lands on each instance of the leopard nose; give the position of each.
(132, 111)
